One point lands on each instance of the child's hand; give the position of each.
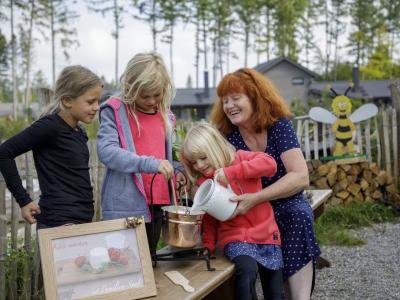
(220, 176)
(29, 211)
(166, 169)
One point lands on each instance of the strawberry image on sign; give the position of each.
(80, 261)
(114, 254)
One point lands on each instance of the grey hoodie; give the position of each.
(122, 192)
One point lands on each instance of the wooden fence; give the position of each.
(19, 274)
(376, 137)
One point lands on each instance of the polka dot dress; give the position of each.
(269, 256)
(294, 214)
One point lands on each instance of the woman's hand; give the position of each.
(245, 203)
(166, 169)
(219, 176)
(29, 211)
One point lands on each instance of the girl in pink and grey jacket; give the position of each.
(251, 241)
(134, 142)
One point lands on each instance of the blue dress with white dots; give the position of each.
(294, 214)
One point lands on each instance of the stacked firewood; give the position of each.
(359, 181)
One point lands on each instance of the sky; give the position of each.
(97, 48)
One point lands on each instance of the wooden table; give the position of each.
(319, 198)
(208, 285)
(218, 284)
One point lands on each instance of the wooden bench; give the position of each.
(218, 284)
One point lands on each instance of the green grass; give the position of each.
(332, 228)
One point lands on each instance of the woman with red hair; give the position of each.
(253, 116)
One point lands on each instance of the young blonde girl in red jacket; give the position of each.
(251, 241)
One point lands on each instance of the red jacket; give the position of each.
(258, 225)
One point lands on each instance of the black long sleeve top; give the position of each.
(61, 159)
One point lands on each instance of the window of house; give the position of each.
(297, 80)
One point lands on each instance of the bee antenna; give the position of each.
(348, 89)
(334, 92)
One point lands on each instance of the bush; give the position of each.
(10, 127)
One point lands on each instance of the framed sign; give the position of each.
(101, 260)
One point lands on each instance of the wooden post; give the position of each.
(386, 141)
(368, 139)
(324, 140)
(100, 175)
(359, 138)
(3, 238)
(331, 139)
(94, 175)
(316, 148)
(378, 143)
(28, 234)
(395, 147)
(14, 247)
(307, 140)
(44, 98)
(299, 130)
(395, 92)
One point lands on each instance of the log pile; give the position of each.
(358, 181)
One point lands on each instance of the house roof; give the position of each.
(369, 89)
(194, 97)
(264, 67)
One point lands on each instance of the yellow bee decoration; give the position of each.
(343, 121)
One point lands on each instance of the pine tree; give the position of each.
(116, 9)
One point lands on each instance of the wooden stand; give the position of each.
(218, 284)
(319, 198)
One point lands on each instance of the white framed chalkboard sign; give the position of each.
(100, 260)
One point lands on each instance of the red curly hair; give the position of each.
(268, 105)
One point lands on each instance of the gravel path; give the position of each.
(371, 271)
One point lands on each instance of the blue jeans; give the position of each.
(246, 270)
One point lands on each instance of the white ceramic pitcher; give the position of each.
(213, 198)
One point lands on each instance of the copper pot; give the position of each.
(180, 227)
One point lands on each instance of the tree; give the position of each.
(364, 21)
(3, 55)
(202, 20)
(287, 15)
(111, 6)
(339, 12)
(4, 87)
(29, 16)
(308, 22)
(59, 20)
(13, 62)
(264, 28)
(220, 29)
(380, 65)
(151, 12)
(171, 12)
(391, 15)
(189, 84)
(247, 12)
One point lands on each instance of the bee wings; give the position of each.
(322, 115)
(364, 112)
